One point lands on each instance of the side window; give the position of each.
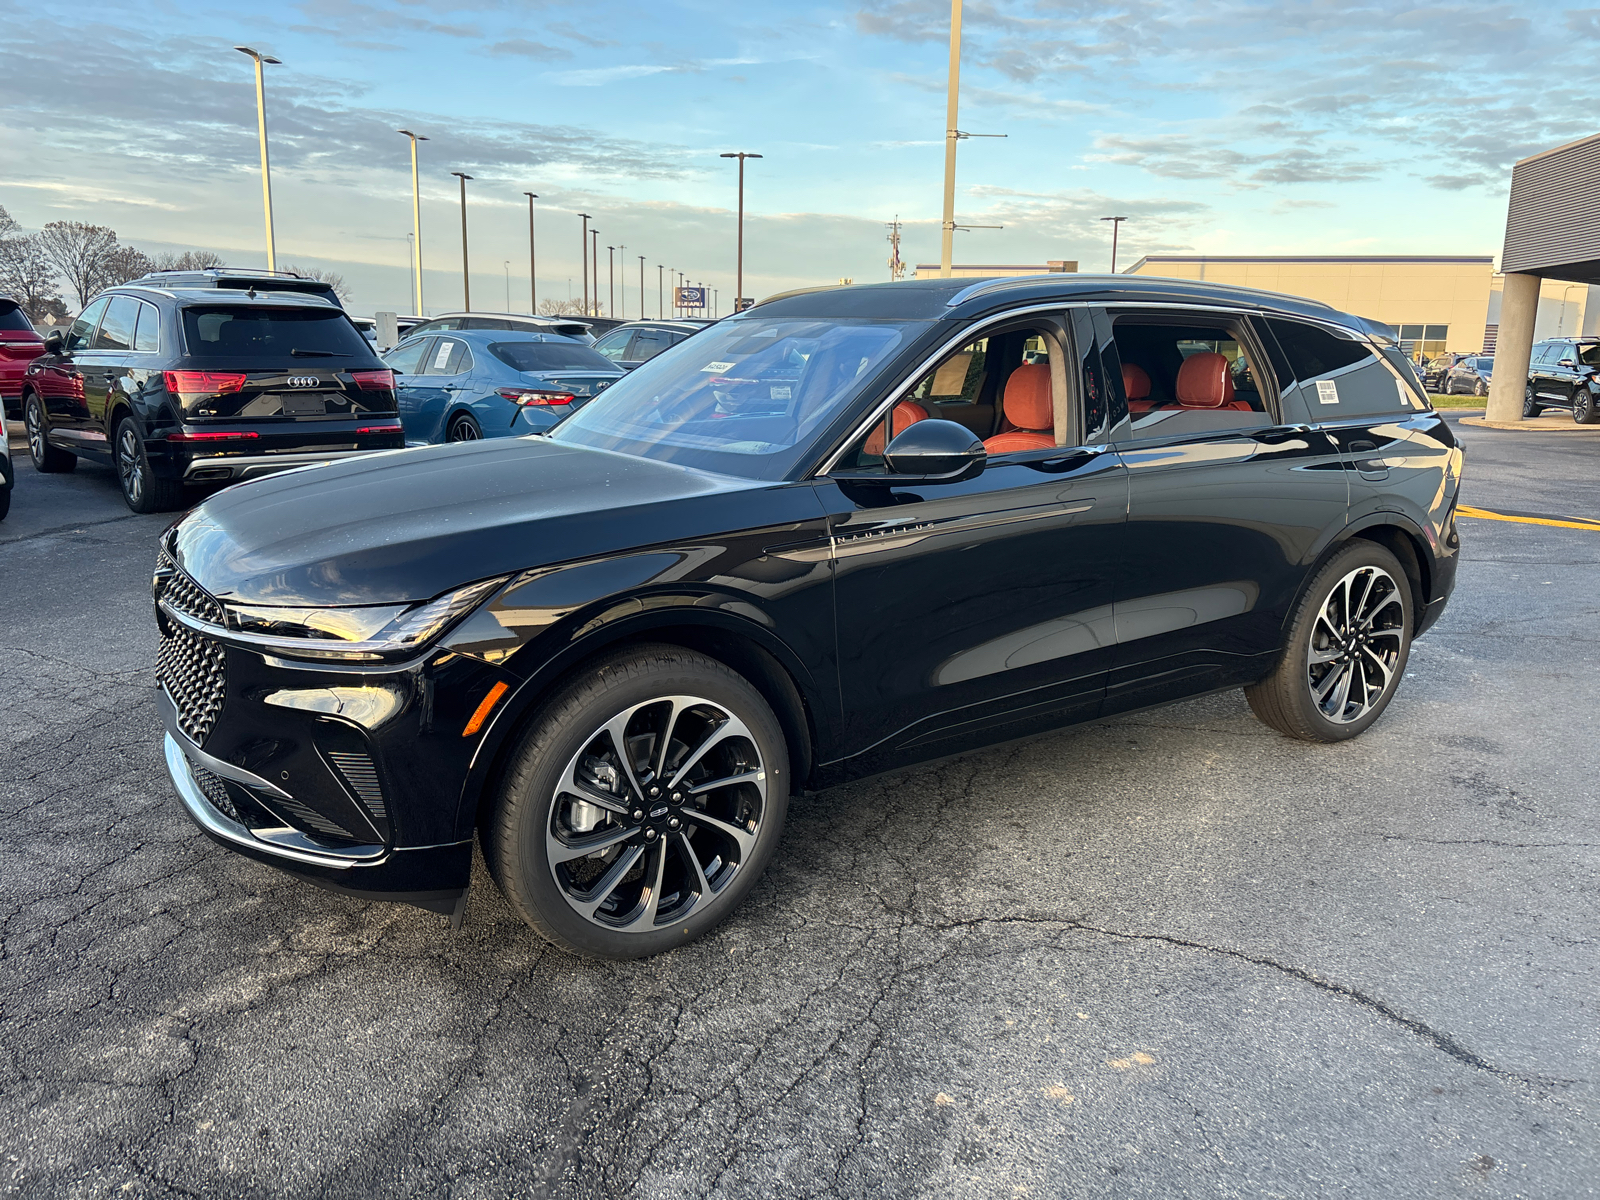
(1541, 353)
(406, 359)
(450, 356)
(615, 345)
(647, 343)
(1007, 388)
(486, 323)
(116, 327)
(147, 334)
(1338, 376)
(83, 328)
(1410, 385)
(1188, 376)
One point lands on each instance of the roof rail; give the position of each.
(225, 271)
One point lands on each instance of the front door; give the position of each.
(103, 367)
(974, 611)
(60, 379)
(1231, 492)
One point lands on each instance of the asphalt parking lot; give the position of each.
(1172, 955)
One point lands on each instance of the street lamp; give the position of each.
(594, 265)
(1116, 224)
(1561, 325)
(507, 262)
(261, 133)
(533, 286)
(466, 280)
(661, 293)
(416, 223)
(739, 269)
(622, 257)
(641, 287)
(611, 273)
(583, 258)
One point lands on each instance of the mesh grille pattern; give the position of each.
(191, 668)
(214, 790)
(182, 594)
(310, 820)
(362, 777)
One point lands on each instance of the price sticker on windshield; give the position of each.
(716, 368)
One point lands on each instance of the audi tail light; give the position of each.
(373, 381)
(528, 396)
(204, 383)
(220, 435)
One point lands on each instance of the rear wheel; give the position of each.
(1347, 649)
(1480, 388)
(1530, 406)
(142, 489)
(1584, 409)
(641, 807)
(463, 429)
(47, 459)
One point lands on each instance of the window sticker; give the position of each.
(951, 378)
(778, 393)
(1327, 391)
(716, 368)
(443, 356)
(1405, 393)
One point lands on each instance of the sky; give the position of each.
(1291, 127)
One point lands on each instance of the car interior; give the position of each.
(1186, 378)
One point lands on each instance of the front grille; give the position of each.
(192, 669)
(183, 594)
(215, 790)
(359, 772)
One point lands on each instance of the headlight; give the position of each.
(355, 634)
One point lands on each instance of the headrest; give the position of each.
(1204, 381)
(1135, 383)
(1027, 399)
(905, 413)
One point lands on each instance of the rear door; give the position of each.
(444, 375)
(405, 360)
(1540, 364)
(1231, 493)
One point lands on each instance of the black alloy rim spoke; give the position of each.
(1351, 659)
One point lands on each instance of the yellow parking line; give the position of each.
(1483, 514)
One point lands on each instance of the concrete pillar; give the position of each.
(1519, 307)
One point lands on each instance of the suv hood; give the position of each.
(407, 525)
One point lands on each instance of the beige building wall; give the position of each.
(980, 271)
(1450, 291)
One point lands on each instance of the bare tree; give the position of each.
(332, 278)
(120, 265)
(78, 251)
(189, 260)
(29, 277)
(561, 308)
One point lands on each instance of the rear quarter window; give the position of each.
(12, 317)
(1340, 377)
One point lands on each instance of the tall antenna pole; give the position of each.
(951, 134)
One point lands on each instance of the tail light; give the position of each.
(392, 427)
(210, 436)
(373, 381)
(527, 396)
(204, 383)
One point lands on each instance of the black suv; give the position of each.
(1561, 374)
(841, 532)
(241, 279)
(205, 386)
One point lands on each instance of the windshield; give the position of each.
(742, 398)
(550, 356)
(239, 331)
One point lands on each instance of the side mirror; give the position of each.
(54, 342)
(1567, 362)
(934, 451)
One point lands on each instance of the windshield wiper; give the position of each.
(298, 353)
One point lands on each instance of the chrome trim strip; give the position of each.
(213, 822)
(256, 461)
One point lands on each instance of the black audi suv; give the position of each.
(185, 388)
(841, 532)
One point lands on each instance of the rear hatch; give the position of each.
(19, 345)
(295, 376)
(560, 366)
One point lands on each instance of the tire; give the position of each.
(1530, 406)
(1584, 409)
(1480, 388)
(141, 488)
(1320, 644)
(5, 502)
(463, 429)
(698, 846)
(47, 459)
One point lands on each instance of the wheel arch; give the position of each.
(736, 642)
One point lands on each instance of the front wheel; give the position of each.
(1584, 409)
(1347, 649)
(47, 459)
(641, 807)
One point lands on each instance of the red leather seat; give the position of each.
(905, 413)
(1206, 381)
(1027, 406)
(1136, 386)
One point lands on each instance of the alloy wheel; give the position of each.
(1356, 643)
(1529, 407)
(464, 431)
(656, 814)
(35, 427)
(130, 464)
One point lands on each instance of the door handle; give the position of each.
(1369, 467)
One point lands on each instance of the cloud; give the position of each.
(523, 48)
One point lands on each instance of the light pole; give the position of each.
(594, 265)
(583, 258)
(611, 274)
(1116, 224)
(641, 287)
(622, 257)
(261, 133)
(416, 223)
(508, 284)
(533, 286)
(1561, 325)
(466, 280)
(738, 277)
(661, 294)
(411, 261)
(953, 91)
